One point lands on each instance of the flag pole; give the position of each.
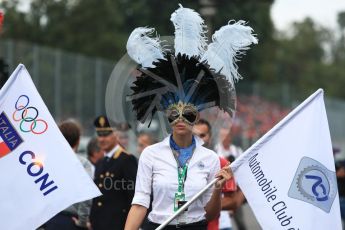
(186, 205)
(234, 166)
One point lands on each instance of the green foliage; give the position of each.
(308, 57)
(311, 58)
(257, 64)
(101, 28)
(341, 21)
(297, 55)
(92, 27)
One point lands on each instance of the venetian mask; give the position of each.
(185, 112)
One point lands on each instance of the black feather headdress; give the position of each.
(196, 74)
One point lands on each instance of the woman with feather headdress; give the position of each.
(181, 84)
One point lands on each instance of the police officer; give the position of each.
(115, 176)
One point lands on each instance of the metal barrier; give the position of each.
(73, 85)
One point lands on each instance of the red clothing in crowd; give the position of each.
(230, 186)
(1, 20)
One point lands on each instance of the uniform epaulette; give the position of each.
(119, 151)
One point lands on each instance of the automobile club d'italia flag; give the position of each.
(40, 174)
(288, 176)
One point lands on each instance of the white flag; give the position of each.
(40, 175)
(288, 176)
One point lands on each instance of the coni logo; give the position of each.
(314, 183)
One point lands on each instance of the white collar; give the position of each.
(198, 140)
(111, 152)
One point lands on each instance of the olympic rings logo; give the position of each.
(28, 117)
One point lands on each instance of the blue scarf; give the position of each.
(184, 154)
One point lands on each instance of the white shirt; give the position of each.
(111, 152)
(89, 168)
(233, 150)
(158, 170)
(224, 220)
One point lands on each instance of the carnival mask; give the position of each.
(187, 113)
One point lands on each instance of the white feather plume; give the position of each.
(228, 43)
(144, 49)
(190, 32)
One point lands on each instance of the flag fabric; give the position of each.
(40, 174)
(288, 176)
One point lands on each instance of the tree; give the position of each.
(22, 29)
(101, 28)
(97, 28)
(336, 79)
(339, 45)
(300, 58)
(258, 64)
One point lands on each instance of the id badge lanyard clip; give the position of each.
(180, 195)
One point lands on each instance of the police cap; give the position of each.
(102, 125)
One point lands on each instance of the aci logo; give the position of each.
(315, 184)
(9, 138)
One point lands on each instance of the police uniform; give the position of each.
(115, 177)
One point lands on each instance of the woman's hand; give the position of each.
(214, 206)
(224, 174)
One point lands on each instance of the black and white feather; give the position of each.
(196, 73)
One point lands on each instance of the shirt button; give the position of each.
(112, 175)
(99, 204)
(107, 174)
(101, 176)
(100, 185)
